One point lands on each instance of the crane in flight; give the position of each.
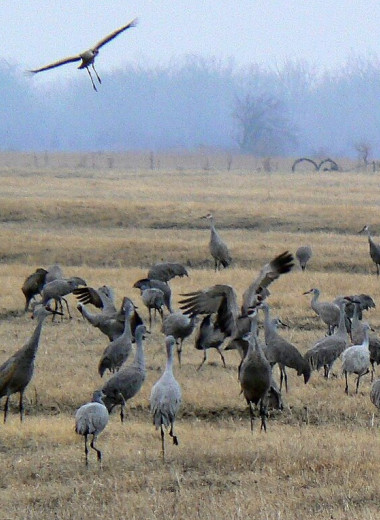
(87, 57)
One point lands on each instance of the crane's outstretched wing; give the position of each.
(102, 298)
(219, 299)
(113, 35)
(281, 264)
(56, 64)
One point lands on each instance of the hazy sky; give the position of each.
(37, 32)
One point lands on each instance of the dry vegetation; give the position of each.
(319, 458)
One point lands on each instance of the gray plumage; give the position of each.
(303, 255)
(87, 57)
(218, 249)
(17, 371)
(327, 350)
(127, 382)
(153, 299)
(180, 326)
(109, 321)
(33, 285)
(375, 393)
(57, 290)
(355, 359)
(165, 271)
(54, 272)
(358, 335)
(279, 350)
(327, 311)
(374, 248)
(147, 283)
(255, 374)
(118, 351)
(165, 398)
(364, 302)
(209, 336)
(91, 419)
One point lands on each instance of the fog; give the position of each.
(193, 101)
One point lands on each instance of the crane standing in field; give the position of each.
(303, 255)
(17, 372)
(218, 249)
(165, 398)
(87, 58)
(374, 249)
(91, 419)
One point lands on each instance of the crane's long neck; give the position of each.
(139, 356)
(342, 319)
(32, 345)
(355, 316)
(127, 332)
(268, 327)
(169, 359)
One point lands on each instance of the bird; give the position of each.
(54, 272)
(326, 351)
(91, 419)
(57, 290)
(279, 350)
(374, 249)
(327, 311)
(218, 249)
(165, 398)
(181, 327)
(109, 321)
(33, 285)
(153, 299)
(127, 382)
(165, 271)
(255, 374)
(209, 336)
(355, 359)
(364, 302)
(148, 283)
(303, 255)
(118, 351)
(87, 57)
(17, 372)
(221, 299)
(375, 393)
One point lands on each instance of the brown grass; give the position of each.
(108, 225)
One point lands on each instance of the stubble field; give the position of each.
(319, 458)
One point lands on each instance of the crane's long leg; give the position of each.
(6, 408)
(204, 359)
(179, 352)
(172, 434)
(357, 384)
(86, 448)
(98, 452)
(92, 81)
(97, 75)
(263, 415)
(21, 405)
(251, 414)
(67, 307)
(345, 375)
(163, 442)
(122, 406)
(221, 355)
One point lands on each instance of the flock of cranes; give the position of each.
(223, 319)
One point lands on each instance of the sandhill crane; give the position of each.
(375, 393)
(221, 299)
(87, 58)
(165, 271)
(165, 398)
(279, 350)
(327, 311)
(91, 419)
(364, 302)
(110, 321)
(355, 359)
(127, 382)
(180, 326)
(118, 351)
(327, 350)
(149, 283)
(255, 374)
(153, 299)
(33, 285)
(357, 336)
(209, 336)
(54, 272)
(17, 371)
(58, 289)
(218, 249)
(303, 255)
(374, 249)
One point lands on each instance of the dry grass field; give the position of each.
(108, 223)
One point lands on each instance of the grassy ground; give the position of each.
(107, 224)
